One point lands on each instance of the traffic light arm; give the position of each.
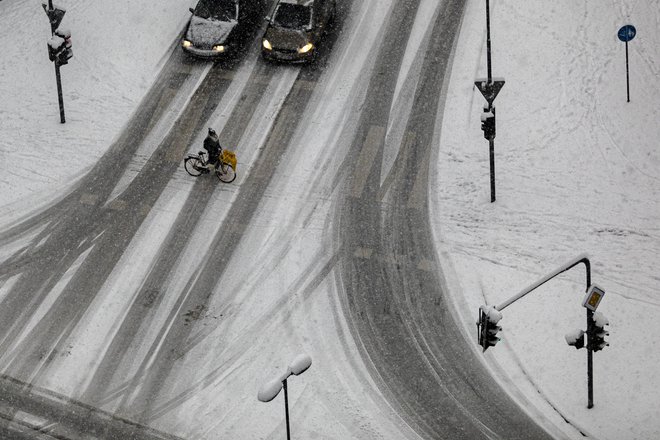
(583, 258)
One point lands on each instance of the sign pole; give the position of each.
(627, 74)
(491, 147)
(625, 34)
(60, 96)
(491, 142)
(490, 72)
(489, 87)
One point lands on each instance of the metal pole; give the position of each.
(590, 360)
(590, 354)
(627, 75)
(491, 145)
(580, 259)
(60, 98)
(58, 78)
(490, 72)
(286, 410)
(491, 142)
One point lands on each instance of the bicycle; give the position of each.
(195, 165)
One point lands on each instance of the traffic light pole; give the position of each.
(490, 71)
(490, 88)
(590, 360)
(491, 141)
(58, 77)
(491, 148)
(60, 97)
(581, 259)
(286, 410)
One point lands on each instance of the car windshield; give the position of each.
(292, 16)
(223, 10)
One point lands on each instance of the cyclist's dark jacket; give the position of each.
(212, 145)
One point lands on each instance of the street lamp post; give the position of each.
(271, 389)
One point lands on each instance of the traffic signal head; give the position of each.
(597, 334)
(64, 56)
(489, 316)
(488, 122)
(575, 338)
(55, 46)
(65, 52)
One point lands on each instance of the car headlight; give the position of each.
(219, 48)
(186, 43)
(267, 44)
(306, 48)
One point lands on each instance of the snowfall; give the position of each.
(577, 171)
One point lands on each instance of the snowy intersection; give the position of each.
(561, 192)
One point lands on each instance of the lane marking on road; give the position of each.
(373, 141)
(363, 252)
(426, 265)
(407, 143)
(118, 205)
(226, 74)
(89, 199)
(145, 209)
(166, 97)
(305, 84)
(418, 194)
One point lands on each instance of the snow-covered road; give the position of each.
(169, 301)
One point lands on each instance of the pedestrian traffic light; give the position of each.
(65, 52)
(597, 334)
(488, 122)
(488, 329)
(575, 339)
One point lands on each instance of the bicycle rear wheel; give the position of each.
(228, 176)
(193, 165)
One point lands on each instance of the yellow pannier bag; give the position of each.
(229, 157)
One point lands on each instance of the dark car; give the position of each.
(211, 30)
(295, 28)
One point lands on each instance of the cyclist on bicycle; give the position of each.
(212, 145)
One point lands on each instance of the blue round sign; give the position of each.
(627, 33)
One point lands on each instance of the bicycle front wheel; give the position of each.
(227, 176)
(193, 166)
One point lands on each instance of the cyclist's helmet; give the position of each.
(212, 132)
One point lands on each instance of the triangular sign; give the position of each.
(55, 15)
(489, 90)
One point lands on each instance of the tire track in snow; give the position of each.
(154, 290)
(62, 241)
(393, 297)
(79, 226)
(153, 375)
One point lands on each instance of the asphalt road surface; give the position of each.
(391, 284)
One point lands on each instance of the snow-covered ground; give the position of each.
(102, 85)
(577, 171)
